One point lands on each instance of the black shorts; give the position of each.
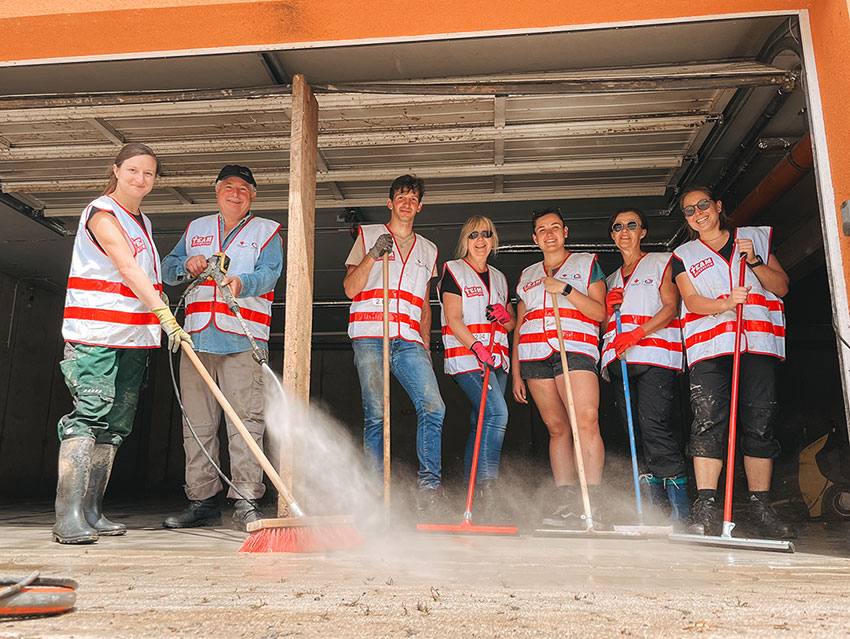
(550, 367)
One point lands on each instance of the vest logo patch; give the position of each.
(700, 266)
(201, 240)
(138, 244)
(473, 291)
(577, 276)
(531, 285)
(648, 280)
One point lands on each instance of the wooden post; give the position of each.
(303, 153)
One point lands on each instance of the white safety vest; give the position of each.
(99, 308)
(538, 337)
(641, 301)
(408, 284)
(764, 313)
(475, 298)
(204, 304)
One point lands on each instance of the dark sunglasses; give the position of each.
(702, 205)
(485, 234)
(619, 226)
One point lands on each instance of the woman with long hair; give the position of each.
(578, 282)
(475, 305)
(651, 345)
(113, 316)
(706, 270)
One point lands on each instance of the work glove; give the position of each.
(628, 339)
(614, 298)
(172, 329)
(498, 313)
(483, 356)
(384, 244)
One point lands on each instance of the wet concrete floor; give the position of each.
(156, 583)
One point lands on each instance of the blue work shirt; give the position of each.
(262, 280)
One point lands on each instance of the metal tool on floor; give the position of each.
(641, 528)
(35, 595)
(590, 530)
(725, 540)
(466, 526)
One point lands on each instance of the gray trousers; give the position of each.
(241, 381)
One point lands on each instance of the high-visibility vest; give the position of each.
(408, 285)
(99, 308)
(538, 338)
(204, 304)
(641, 301)
(713, 277)
(475, 298)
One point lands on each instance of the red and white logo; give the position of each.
(700, 266)
(201, 240)
(473, 291)
(138, 245)
(531, 285)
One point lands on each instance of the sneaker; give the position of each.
(564, 517)
(764, 520)
(431, 506)
(244, 512)
(200, 512)
(705, 517)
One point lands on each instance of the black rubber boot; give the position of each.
(244, 512)
(101, 469)
(680, 506)
(71, 527)
(200, 512)
(706, 518)
(567, 514)
(431, 506)
(764, 520)
(485, 502)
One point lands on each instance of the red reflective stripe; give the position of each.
(460, 351)
(569, 336)
(750, 326)
(477, 328)
(761, 300)
(104, 286)
(221, 309)
(114, 317)
(268, 296)
(654, 342)
(379, 317)
(393, 293)
(640, 319)
(565, 313)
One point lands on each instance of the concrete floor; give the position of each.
(157, 583)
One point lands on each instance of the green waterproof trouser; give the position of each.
(104, 384)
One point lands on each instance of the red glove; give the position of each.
(483, 356)
(614, 298)
(498, 313)
(628, 339)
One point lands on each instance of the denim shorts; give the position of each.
(550, 367)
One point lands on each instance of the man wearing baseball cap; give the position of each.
(255, 249)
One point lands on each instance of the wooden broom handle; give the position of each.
(228, 410)
(386, 366)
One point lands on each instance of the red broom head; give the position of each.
(302, 539)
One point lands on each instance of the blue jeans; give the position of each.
(493, 427)
(413, 369)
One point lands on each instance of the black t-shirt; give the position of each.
(138, 218)
(725, 252)
(449, 285)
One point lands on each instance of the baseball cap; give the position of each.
(234, 170)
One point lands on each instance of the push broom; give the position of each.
(298, 533)
(725, 540)
(466, 526)
(589, 530)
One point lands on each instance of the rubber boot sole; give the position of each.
(88, 539)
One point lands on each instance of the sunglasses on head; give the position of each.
(702, 205)
(619, 226)
(487, 234)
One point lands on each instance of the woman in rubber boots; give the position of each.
(706, 270)
(474, 301)
(651, 345)
(579, 284)
(113, 314)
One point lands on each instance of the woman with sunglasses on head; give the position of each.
(651, 344)
(474, 300)
(578, 282)
(706, 270)
(113, 313)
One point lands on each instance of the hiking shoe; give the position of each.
(431, 506)
(244, 512)
(764, 520)
(705, 517)
(200, 512)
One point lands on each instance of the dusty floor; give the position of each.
(159, 583)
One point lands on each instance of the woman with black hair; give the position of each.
(651, 345)
(706, 272)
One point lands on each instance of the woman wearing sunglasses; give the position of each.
(578, 282)
(474, 300)
(651, 344)
(706, 270)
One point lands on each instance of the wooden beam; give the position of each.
(301, 223)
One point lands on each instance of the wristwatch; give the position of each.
(568, 288)
(757, 263)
